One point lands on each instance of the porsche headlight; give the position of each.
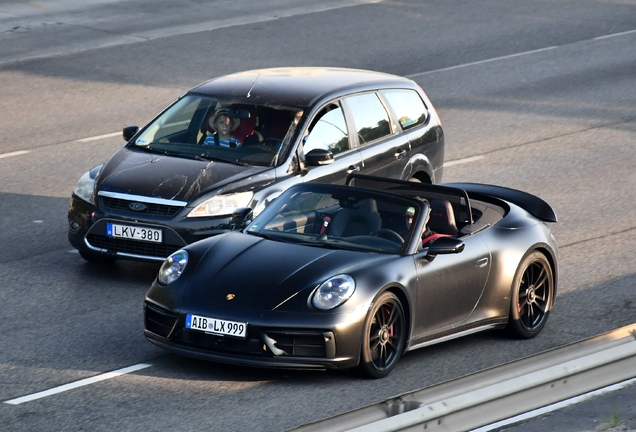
(334, 292)
(173, 267)
(220, 205)
(85, 187)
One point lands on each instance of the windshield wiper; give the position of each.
(339, 245)
(276, 238)
(166, 152)
(260, 234)
(218, 159)
(149, 149)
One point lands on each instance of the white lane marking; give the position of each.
(99, 137)
(83, 140)
(77, 384)
(463, 161)
(614, 35)
(15, 153)
(556, 406)
(480, 62)
(525, 53)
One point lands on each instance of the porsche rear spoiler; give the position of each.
(530, 203)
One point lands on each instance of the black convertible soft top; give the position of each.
(456, 196)
(459, 193)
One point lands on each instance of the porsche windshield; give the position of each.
(338, 218)
(215, 129)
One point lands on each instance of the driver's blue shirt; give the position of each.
(215, 140)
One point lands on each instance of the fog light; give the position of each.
(73, 227)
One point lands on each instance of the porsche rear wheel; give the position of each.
(532, 296)
(383, 337)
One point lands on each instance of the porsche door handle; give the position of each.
(481, 263)
(352, 169)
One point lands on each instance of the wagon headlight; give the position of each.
(334, 292)
(222, 204)
(173, 267)
(85, 187)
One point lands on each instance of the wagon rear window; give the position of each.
(408, 107)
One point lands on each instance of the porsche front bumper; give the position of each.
(277, 340)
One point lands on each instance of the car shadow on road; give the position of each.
(129, 271)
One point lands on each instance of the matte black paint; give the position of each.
(443, 296)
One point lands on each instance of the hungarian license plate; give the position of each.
(134, 232)
(216, 326)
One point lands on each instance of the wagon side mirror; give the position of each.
(445, 246)
(317, 157)
(129, 132)
(241, 217)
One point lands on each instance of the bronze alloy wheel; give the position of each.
(383, 337)
(532, 296)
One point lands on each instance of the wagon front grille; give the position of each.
(133, 247)
(152, 209)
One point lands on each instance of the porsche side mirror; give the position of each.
(317, 157)
(129, 132)
(241, 217)
(445, 245)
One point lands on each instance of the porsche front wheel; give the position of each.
(383, 337)
(532, 296)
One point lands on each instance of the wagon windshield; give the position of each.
(339, 218)
(208, 128)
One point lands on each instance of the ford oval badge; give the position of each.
(137, 206)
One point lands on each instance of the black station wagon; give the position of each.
(180, 178)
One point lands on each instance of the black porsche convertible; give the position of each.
(338, 276)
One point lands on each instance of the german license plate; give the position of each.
(134, 232)
(216, 326)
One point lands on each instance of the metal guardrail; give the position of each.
(501, 392)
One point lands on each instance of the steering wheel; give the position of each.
(389, 235)
(272, 142)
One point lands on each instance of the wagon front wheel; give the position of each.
(383, 337)
(532, 296)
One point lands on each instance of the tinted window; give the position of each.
(370, 117)
(408, 107)
(328, 131)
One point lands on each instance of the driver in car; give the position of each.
(427, 235)
(223, 122)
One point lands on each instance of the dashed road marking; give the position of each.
(99, 137)
(15, 153)
(521, 54)
(463, 161)
(76, 384)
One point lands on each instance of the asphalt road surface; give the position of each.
(535, 94)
